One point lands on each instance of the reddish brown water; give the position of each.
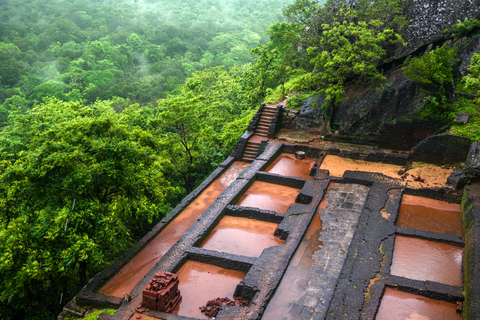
(128, 277)
(430, 215)
(398, 305)
(287, 165)
(139, 316)
(292, 286)
(420, 259)
(200, 282)
(269, 196)
(242, 236)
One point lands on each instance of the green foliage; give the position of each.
(78, 185)
(465, 28)
(472, 128)
(273, 65)
(348, 48)
(471, 82)
(297, 99)
(434, 72)
(201, 123)
(471, 85)
(137, 50)
(299, 11)
(93, 315)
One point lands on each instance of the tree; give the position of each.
(274, 59)
(74, 199)
(434, 72)
(472, 79)
(348, 49)
(10, 67)
(191, 122)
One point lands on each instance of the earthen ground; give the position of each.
(434, 176)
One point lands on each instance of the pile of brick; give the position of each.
(162, 293)
(213, 306)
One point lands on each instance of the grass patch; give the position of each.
(94, 315)
(472, 128)
(299, 84)
(297, 99)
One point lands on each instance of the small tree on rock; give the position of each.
(348, 49)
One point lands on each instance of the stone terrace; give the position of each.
(351, 267)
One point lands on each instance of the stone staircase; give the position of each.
(265, 121)
(250, 151)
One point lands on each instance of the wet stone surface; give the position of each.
(311, 288)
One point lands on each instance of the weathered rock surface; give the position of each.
(428, 20)
(366, 107)
(465, 55)
(289, 118)
(311, 114)
(441, 149)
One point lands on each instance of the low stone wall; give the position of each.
(240, 146)
(89, 297)
(252, 125)
(405, 134)
(471, 270)
(441, 149)
(276, 122)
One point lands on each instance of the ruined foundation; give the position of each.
(297, 239)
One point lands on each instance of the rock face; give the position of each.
(428, 20)
(465, 55)
(365, 108)
(311, 114)
(441, 149)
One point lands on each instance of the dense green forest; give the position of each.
(112, 111)
(134, 50)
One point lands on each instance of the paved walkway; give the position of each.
(309, 282)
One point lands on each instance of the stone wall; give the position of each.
(441, 149)
(471, 269)
(428, 19)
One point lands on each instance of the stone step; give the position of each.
(269, 119)
(265, 122)
(271, 110)
(250, 155)
(247, 159)
(261, 134)
(267, 115)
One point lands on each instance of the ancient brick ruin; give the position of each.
(162, 293)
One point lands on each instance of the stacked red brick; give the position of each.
(213, 306)
(162, 293)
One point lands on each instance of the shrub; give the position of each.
(434, 72)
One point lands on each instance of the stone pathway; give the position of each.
(309, 282)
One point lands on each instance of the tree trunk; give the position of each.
(82, 272)
(331, 107)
